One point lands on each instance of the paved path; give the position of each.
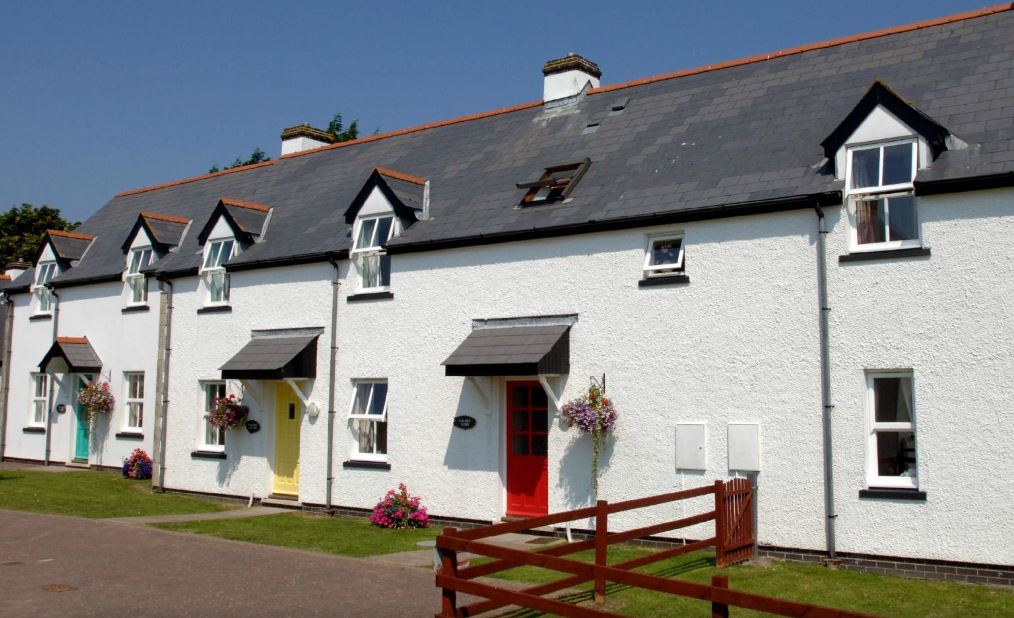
(143, 520)
(117, 570)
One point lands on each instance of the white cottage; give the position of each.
(788, 267)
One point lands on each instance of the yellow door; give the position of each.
(287, 421)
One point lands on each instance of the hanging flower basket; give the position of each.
(592, 413)
(96, 397)
(227, 412)
(138, 465)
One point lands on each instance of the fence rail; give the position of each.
(733, 542)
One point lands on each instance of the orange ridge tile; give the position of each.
(72, 339)
(184, 181)
(383, 171)
(77, 235)
(228, 201)
(160, 217)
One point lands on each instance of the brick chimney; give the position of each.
(568, 76)
(304, 137)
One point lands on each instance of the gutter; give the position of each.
(288, 261)
(825, 385)
(656, 218)
(332, 378)
(87, 281)
(958, 185)
(49, 413)
(166, 287)
(7, 337)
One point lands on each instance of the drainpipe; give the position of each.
(7, 337)
(331, 412)
(52, 388)
(166, 287)
(825, 383)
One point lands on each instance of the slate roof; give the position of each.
(698, 143)
(512, 350)
(274, 357)
(68, 246)
(76, 351)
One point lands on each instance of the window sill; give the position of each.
(41, 317)
(893, 494)
(207, 455)
(663, 280)
(356, 298)
(216, 309)
(33, 430)
(135, 309)
(367, 465)
(130, 435)
(887, 254)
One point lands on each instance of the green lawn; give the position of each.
(864, 592)
(91, 493)
(347, 536)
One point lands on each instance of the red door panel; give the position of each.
(527, 446)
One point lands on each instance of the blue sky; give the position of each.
(97, 98)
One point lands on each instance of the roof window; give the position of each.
(555, 185)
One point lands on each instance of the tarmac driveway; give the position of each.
(118, 570)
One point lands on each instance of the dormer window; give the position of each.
(137, 284)
(555, 184)
(372, 234)
(44, 273)
(216, 254)
(881, 200)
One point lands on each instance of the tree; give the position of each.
(22, 229)
(339, 132)
(257, 156)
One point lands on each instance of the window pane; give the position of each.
(903, 225)
(383, 231)
(367, 436)
(138, 289)
(666, 251)
(519, 445)
(898, 164)
(896, 453)
(365, 234)
(135, 262)
(539, 398)
(893, 399)
(218, 286)
(362, 400)
(519, 395)
(371, 270)
(40, 386)
(385, 270)
(39, 412)
(379, 398)
(865, 168)
(519, 420)
(870, 221)
(212, 258)
(540, 445)
(540, 420)
(381, 438)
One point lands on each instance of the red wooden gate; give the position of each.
(734, 522)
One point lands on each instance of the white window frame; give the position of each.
(355, 419)
(136, 280)
(375, 250)
(133, 401)
(663, 270)
(33, 421)
(44, 273)
(873, 477)
(876, 192)
(209, 272)
(211, 438)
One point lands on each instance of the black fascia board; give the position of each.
(880, 94)
(500, 369)
(376, 179)
(830, 198)
(289, 260)
(964, 183)
(57, 283)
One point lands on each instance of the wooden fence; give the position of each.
(733, 542)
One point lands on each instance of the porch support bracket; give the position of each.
(485, 391)
(305, 399)
(550, 391)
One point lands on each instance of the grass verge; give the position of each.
(345, 536)
(93, 494)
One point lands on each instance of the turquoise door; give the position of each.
(81, 439)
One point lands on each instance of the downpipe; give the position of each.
(166, 287)
(7, 340)
(331, 412)
(51, 385)
(825, 384)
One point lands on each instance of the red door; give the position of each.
(527, 444)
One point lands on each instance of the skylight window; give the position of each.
(555, 185)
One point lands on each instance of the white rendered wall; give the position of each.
(946, 317)
(736, 344)
(289, 297)
(298, 144)
(566, 84)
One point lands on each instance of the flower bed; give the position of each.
(399, 510)
(137, 465)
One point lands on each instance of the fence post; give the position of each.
(601, 548)
(719, 610)
(720, 524)
(448, 568)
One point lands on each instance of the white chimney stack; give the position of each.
(568, 76)
(304, 137)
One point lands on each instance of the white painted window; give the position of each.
(44, 273)
(891, 459)
(137, 283)
(663, 255)
(134, 383)
(40, 399)
(368, 416)
(212, 438)
(371, 235)
(216, 254)
(882, 206)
